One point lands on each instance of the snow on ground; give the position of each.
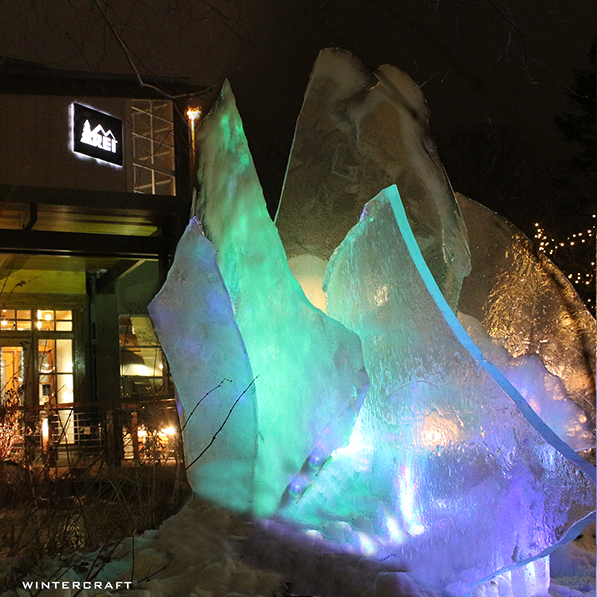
(204, 551)
(573, 567)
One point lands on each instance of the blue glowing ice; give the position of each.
(193, 317)
(546, 393)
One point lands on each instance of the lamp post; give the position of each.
(193, 114)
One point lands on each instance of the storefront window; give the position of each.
(142, 364)
(11, 320)
(12, 372)
(20, 320)
(49, 320)
(55, 369)
(43, 336)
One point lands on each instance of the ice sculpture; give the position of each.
(358, 133)
(546, 393)
(310, 377)
(209, 363)
(523, 300)
(442, 457)
(442, 466)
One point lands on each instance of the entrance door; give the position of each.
(55, 370)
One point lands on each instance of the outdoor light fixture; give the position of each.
(193, 114)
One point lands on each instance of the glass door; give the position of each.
(55, 385)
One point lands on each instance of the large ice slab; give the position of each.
(309, 374)
(448, 470)
(524, 301)
(358, 133)
(193, 317)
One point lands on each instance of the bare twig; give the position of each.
(126, 50)
(129, 58)
(200, 401)
(213, 439)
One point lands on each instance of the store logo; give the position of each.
(97, 135)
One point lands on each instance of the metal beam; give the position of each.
(97, 201)
(23, 77)
(107, 280)
(37, 242)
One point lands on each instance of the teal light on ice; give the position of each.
(311, 379)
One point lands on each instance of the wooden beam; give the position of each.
(21, 77)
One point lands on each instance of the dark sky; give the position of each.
(485, 61)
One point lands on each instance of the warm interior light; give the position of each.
(45, 431)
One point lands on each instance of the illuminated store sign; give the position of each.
(97, 135)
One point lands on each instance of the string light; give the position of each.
(552, 247)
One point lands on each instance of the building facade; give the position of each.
(95, 191)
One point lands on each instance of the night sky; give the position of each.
(496, 70)
(484, 61)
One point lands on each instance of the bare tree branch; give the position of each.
(213, 439)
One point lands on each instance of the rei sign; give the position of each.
(96, 134)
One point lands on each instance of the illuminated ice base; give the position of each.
(531, 580)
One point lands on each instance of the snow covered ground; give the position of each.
(205, 551)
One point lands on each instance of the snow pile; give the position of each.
(573, 567)
(204, 551)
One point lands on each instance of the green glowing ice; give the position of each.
(310, 377)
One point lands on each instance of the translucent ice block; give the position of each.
(193, 317)
(448, 470)
(545, 392)
(310, 376)
(524, 301)
(358, 133)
